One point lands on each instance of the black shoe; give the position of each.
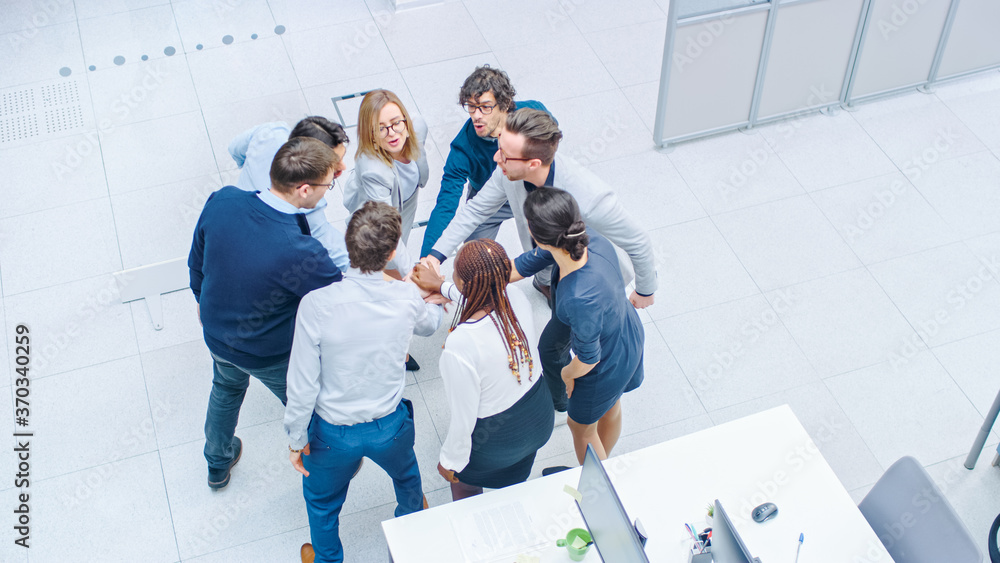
(219, 478)
(552, 470)
(411, 364)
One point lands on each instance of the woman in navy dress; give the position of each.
(607, 337)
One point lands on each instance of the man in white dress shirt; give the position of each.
(346, 377)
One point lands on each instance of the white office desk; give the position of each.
(766, 457)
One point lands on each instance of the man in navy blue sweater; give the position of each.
(252, 259)
(488, 96)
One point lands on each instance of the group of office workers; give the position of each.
(324, 318)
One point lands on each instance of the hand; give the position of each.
(448, 474)
(296, 459)
(431, 262)
(437, 299)
(640, 301)
(569, 381)
(197, 308)
(427, 278)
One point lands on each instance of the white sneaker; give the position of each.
(561, 418)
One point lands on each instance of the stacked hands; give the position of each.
(426, 275)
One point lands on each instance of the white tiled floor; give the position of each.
(806, 263)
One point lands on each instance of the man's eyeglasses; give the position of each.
(485, 109)
(327, 186)
(504, 158)
(398, 126)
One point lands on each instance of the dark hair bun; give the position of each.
(574, 240)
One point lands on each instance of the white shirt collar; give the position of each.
(353, 272)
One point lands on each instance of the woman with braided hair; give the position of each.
(501, 410)
(606, 335)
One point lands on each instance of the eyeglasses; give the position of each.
(504, 158)
(327, 186)
(485, 109)
(398, 126)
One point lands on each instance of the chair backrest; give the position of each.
(915, 522)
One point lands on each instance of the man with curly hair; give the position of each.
(488, 96)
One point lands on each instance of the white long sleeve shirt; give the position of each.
(477, 377)
(349, 350)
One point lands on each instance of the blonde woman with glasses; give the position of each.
(390, 164)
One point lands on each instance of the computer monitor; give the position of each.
(614, 536)
(727, 545)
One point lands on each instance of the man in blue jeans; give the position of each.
(252, 259)
(346, 378)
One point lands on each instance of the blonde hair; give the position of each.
(368, 133)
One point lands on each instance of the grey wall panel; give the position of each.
(899, 45)
(975, 38)
(713, 73)
(810, 52)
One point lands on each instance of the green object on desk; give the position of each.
(577, 543)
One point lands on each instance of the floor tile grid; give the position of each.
(954, 380)
(793, 335)
(201, 111)
(944, 102)
(442, 484)
(780, 320)
(993, 274)
(654, 326)
(832, 226)
(951, 157)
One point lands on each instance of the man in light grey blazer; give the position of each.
(526, 159)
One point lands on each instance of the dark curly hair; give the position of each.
(487, 79)
(321, 128)
(554, 219)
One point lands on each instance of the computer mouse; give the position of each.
(764, 512)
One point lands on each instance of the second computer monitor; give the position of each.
(727, 545)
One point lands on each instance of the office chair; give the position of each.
(915, 522)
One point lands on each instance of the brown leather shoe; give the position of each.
(425, 503)
(307, 553)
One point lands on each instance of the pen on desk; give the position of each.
(802, 538)
(693, 536)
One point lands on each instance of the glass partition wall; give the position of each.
(731, 64)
